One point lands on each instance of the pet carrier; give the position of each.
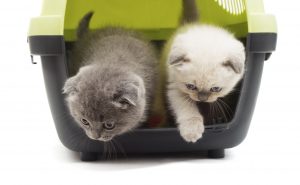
(52, 34)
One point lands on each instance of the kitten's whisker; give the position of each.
(107, 151)
(226, 105)
(120, 147)
(186, 101)
(234, 91)
(221, 109)
(214, 114)
(209, 114)
(227, 109)
(104, 151)
(190, 100)
(217, 111)
(212, 108)
(110, 150)
(114, 151)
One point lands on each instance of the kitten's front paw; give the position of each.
(191, 129)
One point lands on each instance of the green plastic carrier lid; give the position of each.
(156, 18)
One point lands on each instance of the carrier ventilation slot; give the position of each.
(235, 7)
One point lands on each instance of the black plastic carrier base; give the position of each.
(155, 140)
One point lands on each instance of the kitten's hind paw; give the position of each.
(191, 129)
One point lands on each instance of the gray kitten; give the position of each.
(110, 93)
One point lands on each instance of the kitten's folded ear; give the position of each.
(177, 58)
(124, 101)
(236, 62)
(235, 65)
(70, 85)
(129, 93)
(126, 96)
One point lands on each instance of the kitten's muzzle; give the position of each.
(105, 138)
(203, 96)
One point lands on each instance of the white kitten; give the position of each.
(204, 63)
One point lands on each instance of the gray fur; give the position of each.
(83, 27)
(114, 83)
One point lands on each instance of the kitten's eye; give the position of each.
(109, 126)
(85, 122)
(215, 89)
(124, 101)
(191, 86)
(186, 60)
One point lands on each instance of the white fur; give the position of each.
(206, 48)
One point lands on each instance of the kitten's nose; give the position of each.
(95, 135)
(203, 96)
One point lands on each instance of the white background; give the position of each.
(30, 152)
